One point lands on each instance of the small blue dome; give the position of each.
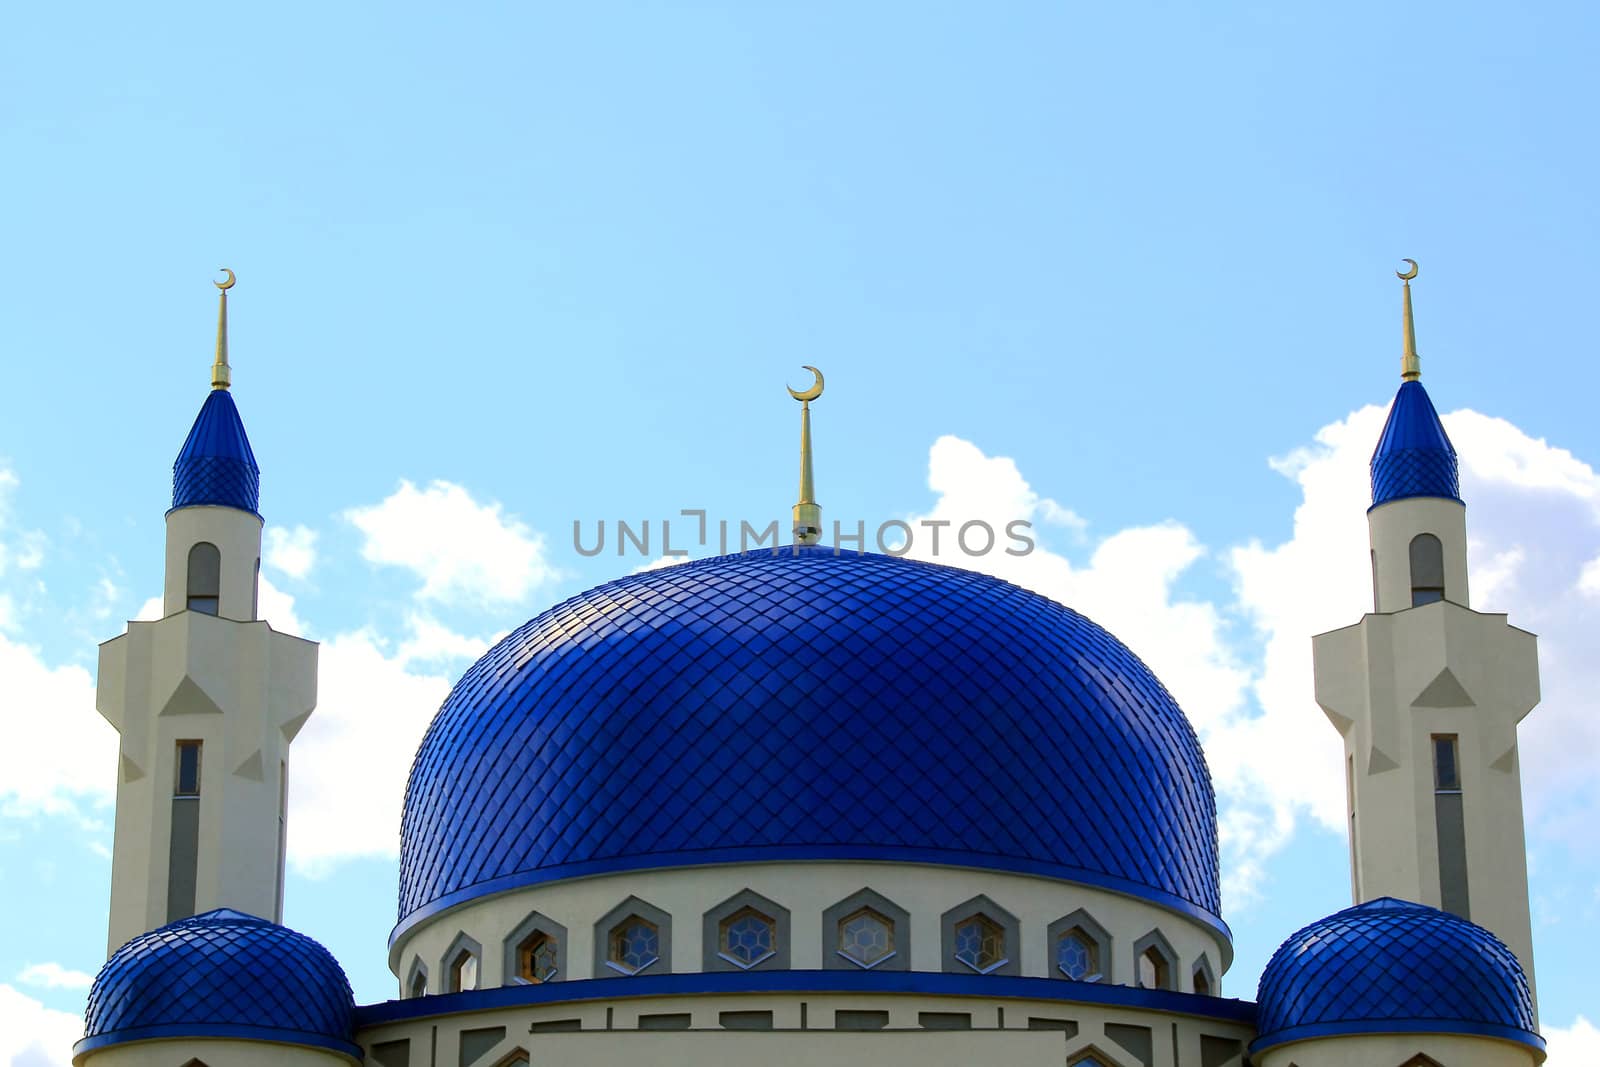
(222, 974)
(216, 465)
(1414, 456)
(809, 704)
(1390, 966)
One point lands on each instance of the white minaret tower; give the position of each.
(207, 699)
(1428, 694)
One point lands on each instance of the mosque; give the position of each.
(808, 806)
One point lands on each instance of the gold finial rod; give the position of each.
(1410, 362)
(807, 513)
(221, 373)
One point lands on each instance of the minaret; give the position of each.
(807, 513)
(207, 699)
(1428, 693)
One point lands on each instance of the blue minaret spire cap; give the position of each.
(1414, 456)
(216, 466)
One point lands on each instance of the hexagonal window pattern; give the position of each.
(536, 958)
(866, 938)
(1077, 956)
(635, 945)
(980, 943)
(747, 937)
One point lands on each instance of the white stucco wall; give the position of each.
(1175, 1040)
(1380, 683)
(234, 684)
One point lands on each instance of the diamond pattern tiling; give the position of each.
(1414, 456)
(1391, 959)
(802, 703)
(216, 465)
(222, 968)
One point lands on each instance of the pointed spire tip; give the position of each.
(1410, 362)
(807, 513)
(221, 373)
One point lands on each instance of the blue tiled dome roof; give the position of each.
(216, 465)
(1414, 456)
(1390, 966)
(221, 974)
(807, 704)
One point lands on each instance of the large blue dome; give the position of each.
(222, 974)
(801, 705)
(1391, 966)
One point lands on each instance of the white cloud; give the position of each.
(54, 976)
(351, 761)
(659, 562)
(59, 755)
(21, 550)
(32, 1035)
(293, 551)
(1577, 1045)
(462, 550)
(1589, 578)
(1534, 512)
(106, 595)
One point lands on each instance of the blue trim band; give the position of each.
(1416, 496)
(1366, 1027)
(225, 1031)
(796, 853)
(928, 983)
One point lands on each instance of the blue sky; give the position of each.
(550, 263)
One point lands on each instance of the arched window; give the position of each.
(866, 938)
(417, 984)
(745, 932)
(980, 943)
(1154, 962)
(867, 930)
(1079, 949)
(1152, 970)
(536, 958)
(205, 577)
(1203, 982)
(635, 944)
(632, 938)
(1077, 956)
(536, 951)
(746, 938)
(1427, 569)
(462, 964)
(463, 972)
(980, 936)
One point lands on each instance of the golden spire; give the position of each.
(807, 513)
(221, 373)
(1410, 363)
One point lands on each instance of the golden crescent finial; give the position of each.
(808, 395)
(1407, 275)
(225, 286)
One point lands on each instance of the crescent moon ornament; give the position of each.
(808, 395)
(1407, 275)
(225, 286)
